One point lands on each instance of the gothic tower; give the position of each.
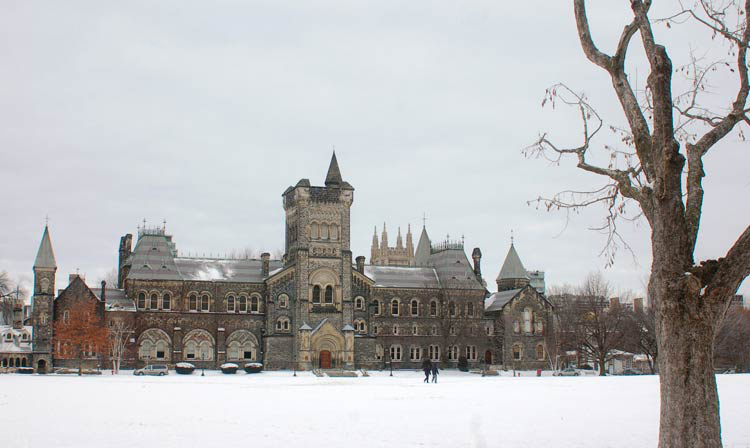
(512, 275)
(318, 245)
(42, 303)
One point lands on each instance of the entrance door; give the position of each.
(488, 357)
(325, 359)
(41, 366)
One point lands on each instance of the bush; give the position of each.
(463, 364)
(253, 367)
(184, 368)
(229, 367)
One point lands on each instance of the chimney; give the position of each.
(638, 305)
(265, 258)
(476, 254)
(360, 264)
(17, 316)
(104, 290)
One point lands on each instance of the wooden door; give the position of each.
(325, 359)
(488, 357)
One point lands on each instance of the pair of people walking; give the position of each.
(429, 368)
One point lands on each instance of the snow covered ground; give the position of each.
(274, 409)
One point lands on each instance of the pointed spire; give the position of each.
(384, 238)
(512, 266)
(375, 238)
(399, 240)
(424, 249)
(45, 256)
(333, 178)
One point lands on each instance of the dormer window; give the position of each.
(8, 336)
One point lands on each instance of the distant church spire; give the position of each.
(333, 178)
(45, 256)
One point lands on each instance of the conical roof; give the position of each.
(45, 256)
(512, 267)
(424, 250)
(334, 174)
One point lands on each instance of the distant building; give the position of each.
(400, 255)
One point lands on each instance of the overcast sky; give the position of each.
(202, 113)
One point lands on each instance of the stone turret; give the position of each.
(42, 302)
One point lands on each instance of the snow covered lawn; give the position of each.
(274, 409)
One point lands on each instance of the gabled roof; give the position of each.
(512, 267)
(424, 249)
(499, 299)
(403, 277)
(334, 174)
(45, 256)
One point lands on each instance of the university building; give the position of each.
(317, 307)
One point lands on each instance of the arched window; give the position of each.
(154, 302)
(489, 329)
(394, 307)
(230, 303)
(359, 303)
(452, 309)
(434, 330)
(204, 302)
(377, 307)
(314, 231)
(471, 352)
(540, 352)
(453, 330)
(166, 301)
(205, 351)
(283, 301)
(255, 304)
(66, 317)
(517, 352)
(434, 352)
(453, 353)
(241, 345)
(334, 229)
(527, 320)
(360, 326)
(161, 349)
(191, 348)
(395, 353)
(470, 309)
(375, 329)
(142, 301)
(153, 344)
(433, 307)
(316, 294)
(242, 304)
(516, 327)
(415, 330)
(538, 325)
(329, 295)
(282, 324)
(147, 350)
(414, 307)
(378, 352)
(323, 231)
(395, 330)
(415, 353)
(193, 302)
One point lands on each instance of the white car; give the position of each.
(567, 372)
(152, 369)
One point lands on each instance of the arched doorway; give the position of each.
(488, 357)
(325, 359)
(41, 366)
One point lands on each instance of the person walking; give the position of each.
(427, 367)
(435, 372)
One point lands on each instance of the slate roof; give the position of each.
(45, 256)
(334, 174)
(114, 299)
(498, 300)
(403, 277)
(454, 271)
(512, 266)
(424, 249)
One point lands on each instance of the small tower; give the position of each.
(399, 240)
(424, 249)
(42, 302)
(409, 245)
(384, 238)
(374, 249)
(512, 275)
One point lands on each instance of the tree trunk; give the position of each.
(689, 397)
(602, 365)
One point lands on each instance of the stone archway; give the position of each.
(41, 366)
(328, 346)
(324, 358)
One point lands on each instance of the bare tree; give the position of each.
(640, 334)
(669, 132)
(598, 322)
(110, 277)
(12, 294)
(119, 332)
(733, 340)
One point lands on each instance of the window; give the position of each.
(283, 301)
(434, 330)
(323, 232)
(161, 350)
(377, 307)
(9, 336)
(154, 302)
(193, 302)
(470, 309)
(334, 230)
(414, 307)
(282, 324)
(66, 316)
(205, 351)
(395, 330)
(255, 304)
(204, 302)
(314, 231)
(488, 330)
(517, 352)
(433, 308)
(415, 353)
(43, 319)
(359, 303)
(242, 304)
(378, 352)
(540, 352)
(316, 294)
(394, 307)
(516, 327)
(453, 353)
(453, 330)
(539, 326)
(414, 330)
(141, 301)
(166, 301)
(241, 345)
(329, 295)
(147, 350)
(230, 303)
(434, 352)
(527, 320)
(359, 326)
(452, 309)
(375, 329)
(395, 353)
(471, 352)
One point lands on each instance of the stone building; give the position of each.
(317, 307)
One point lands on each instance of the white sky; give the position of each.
(203, 113)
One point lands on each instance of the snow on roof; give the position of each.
(499, 299)
(402, 277)
(17, 344)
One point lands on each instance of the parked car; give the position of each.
(152, 369)
(566, 372)
(631, 372)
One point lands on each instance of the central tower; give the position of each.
(318, 246)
